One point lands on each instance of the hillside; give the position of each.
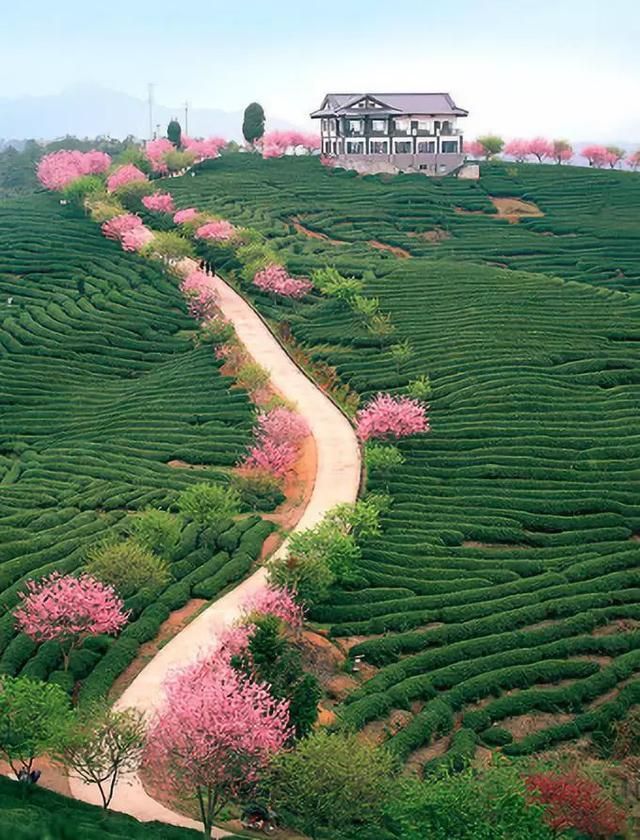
(106, 404)
(507, 567)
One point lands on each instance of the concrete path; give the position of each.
(337, 480)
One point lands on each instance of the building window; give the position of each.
(378, 125)
(427, 147)
(403, 147)
(449, 146)
(446, 127)
(325, 124)
(424, 125)
(378, 147)
(355, 148)
(355, 126)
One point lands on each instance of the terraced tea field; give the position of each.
(101, 389)
(505, 588)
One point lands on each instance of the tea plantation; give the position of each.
(507, 581)
(101, 388)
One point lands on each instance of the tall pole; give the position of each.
(186, 118)
(150, 87)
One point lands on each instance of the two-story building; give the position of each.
(392, 132)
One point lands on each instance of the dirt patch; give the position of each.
(434, 235)
(620, 625)
(419, 757)
(635, 537)
(320, 656)
(176, 622)
(515, 209)
(378, 731)
(510, 208)
(392, 249)
(340, 686)
(314, 234)
(177, 464)
(298, 487)
(494, 546)
(525, 725)
(53, 777)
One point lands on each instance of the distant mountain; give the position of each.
(91, 110)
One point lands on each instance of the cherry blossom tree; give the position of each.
(518, 149)
(126, 174)
(276, 280)
(274, 458)
(614, 154)
(186, 215)
(219, 230)
(201, 297)
(540, 148)
(215, 732)
(116, 227)
(159, 202)
(137, 238)
(67, 609)
(281, 425)
(473, 149)
(58, 169)
(386, 416)
(634, 160)
(204, 149)
(275, 600)
(596, 155)
(562, 151)
(157, 151)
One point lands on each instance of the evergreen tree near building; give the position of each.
(253, 123)
(174, 133)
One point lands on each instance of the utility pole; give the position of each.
(186, 118)
(150, 87)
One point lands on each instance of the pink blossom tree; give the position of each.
(137, 238)
(67, 609)
(596, 155)
(159, 202)
(634, 160)
(117, 227)
(218, 230)
(518, 149)
(58, 169)
(125, 174)
(275, 600)
(204, 149)
(157, 151)
(201, 298)
(215, 732)
(540, 148)
(275, 280)
(281, 425)
(614, 155)
(562, 151)
(186, 215)
(386, 416)
(270, 457)
(473, 149)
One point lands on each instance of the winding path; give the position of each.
(337, 480)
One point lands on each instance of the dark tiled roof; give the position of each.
(398, 103)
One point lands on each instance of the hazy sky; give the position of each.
(558, 67)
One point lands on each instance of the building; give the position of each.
(392, 132)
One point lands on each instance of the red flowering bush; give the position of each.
(386, 416)
(575, 802)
